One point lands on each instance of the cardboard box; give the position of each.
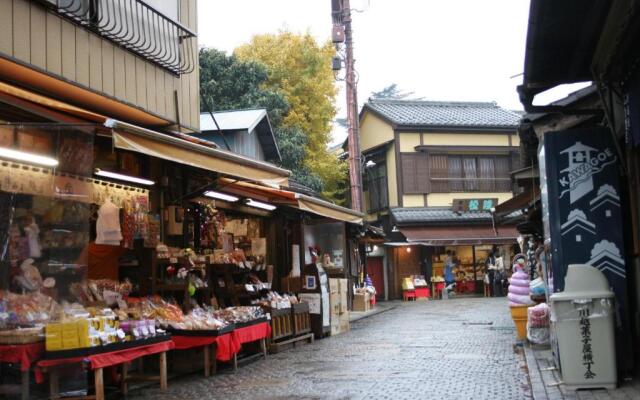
(361, 302)
(334, 285)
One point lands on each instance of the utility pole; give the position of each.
(342, 26)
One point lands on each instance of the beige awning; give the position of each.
(156, 144)
(291, 199)
(329, 210)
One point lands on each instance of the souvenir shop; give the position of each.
(123, 244)
(470, 266)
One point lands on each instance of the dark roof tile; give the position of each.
(445, 113)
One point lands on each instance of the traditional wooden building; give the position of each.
(433, 172)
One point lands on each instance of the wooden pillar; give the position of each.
(25, 385)
(99, 384)
(54, 387)
(163, 370)
(207, 360)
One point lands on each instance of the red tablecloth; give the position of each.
(25, 354)
(422, 292)
(189, 342)
(227, 346)
(252, 333)
(103, 360)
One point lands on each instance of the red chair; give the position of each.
(408, 294)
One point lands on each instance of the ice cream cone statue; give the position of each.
(519, 298)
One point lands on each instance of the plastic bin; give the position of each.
(582, 319)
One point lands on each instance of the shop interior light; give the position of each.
(122, 177)
(259, 204)
(28, 157)
(221, 196)
(408, 249)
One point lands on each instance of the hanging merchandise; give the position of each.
(33, 233)
(153, 237)
(108, 225)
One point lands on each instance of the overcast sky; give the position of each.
(439, 49)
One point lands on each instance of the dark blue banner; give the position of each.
(582, 210)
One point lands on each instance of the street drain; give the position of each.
(478, 323)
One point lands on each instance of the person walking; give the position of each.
(449, 278)
(500, 275)
(490, 269)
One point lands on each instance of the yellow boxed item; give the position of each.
(53, 337)
(407, 284)
(83, 327)
(361, 302)
(70, 342)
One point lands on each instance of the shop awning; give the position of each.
(156, 144)
(68, 94)
(29, 97)
(292, 199)
(459, 235)
(517, 203)
(329, 210)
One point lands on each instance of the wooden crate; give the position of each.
(301, 320)
(281, 325)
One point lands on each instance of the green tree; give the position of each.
(227, 83)
(292, 143)
(301, 69)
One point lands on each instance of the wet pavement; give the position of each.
(452, 349)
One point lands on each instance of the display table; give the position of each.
(247, 334)
(216, 348)
(422, 292)
(26, 355)
(437, 288)
(100, 360)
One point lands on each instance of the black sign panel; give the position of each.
(582, 208)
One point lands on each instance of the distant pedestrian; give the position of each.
(490, 269)
(449, 265)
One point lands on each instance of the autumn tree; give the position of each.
(227, 83)
(301, 69)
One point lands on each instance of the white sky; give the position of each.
(439, 49)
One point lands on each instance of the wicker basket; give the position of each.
(22, 336)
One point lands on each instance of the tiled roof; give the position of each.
(413, 215)
(436, 214)
(445, 113)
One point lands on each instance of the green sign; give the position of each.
(473, 205)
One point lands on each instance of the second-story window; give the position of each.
(469, 173)
(375, 179)
(445, 173)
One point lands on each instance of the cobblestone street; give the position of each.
(455, 349)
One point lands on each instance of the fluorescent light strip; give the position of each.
(221, 196)
(122, 177)
(28, 157)
(259, 204)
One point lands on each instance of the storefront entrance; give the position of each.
(375, 270)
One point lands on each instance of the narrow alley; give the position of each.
(455, 349)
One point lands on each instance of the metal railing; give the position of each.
(137, 27)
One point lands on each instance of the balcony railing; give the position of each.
(137, 27)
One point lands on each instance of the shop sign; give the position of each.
(583, 212)
(471, 205)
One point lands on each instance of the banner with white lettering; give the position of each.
(582, 209)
